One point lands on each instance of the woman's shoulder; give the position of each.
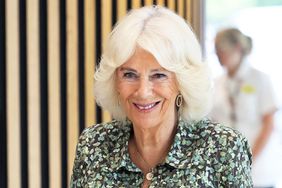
(217, 133)
(101, 127)
(223, 144)
(219, 130)
(226, 151)
(225, 140)
(104, 132)
(257, 76)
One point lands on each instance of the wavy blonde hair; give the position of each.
(172, 42)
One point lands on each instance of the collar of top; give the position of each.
(183, 152)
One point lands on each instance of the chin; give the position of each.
(144, 122)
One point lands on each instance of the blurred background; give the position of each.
(48, 53)
(261, 20)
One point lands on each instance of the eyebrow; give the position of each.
(133, 70)
(157, 70)
(127, 69)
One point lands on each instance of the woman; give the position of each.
(244, 99)
(153, 82)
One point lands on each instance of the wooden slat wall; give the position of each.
(48, 53)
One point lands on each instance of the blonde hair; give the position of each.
(172, 42)
(231, 37)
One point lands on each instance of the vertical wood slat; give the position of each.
(161, 2)
(72, 81)
(122, 8)
(148, 2)
(180, 8)
(106, 29)
(54, 95)
(33, 93)
(189, 11)
(136, 4)
(171, 5)
(13, 103)
(197, 20)
(89, 8)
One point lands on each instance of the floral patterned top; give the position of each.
(203, 154)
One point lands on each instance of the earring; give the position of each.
(179, 100)
(118, 100)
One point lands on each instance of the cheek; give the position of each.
(168, 91)
(236, 57)
(122, 90)
(125, 91)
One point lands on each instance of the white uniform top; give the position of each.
(253, 96)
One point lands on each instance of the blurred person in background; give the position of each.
(244, 99)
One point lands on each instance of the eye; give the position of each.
(129, 75)
(158, 76)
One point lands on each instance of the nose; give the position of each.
(144, 89)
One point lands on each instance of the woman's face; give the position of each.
(230, 58)
(146, 90)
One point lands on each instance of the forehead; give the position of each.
(142, 59)
(224, 48)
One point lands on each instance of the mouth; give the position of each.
(146, 107)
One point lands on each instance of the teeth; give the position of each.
(145, 107)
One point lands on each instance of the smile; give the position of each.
(146, 107)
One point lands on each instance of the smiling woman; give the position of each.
(153, 81)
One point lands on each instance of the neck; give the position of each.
(153, 144)
(232, 71)
(155, 137)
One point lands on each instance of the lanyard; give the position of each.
(233, 91)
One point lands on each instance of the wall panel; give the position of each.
(171, 4)
(54, 93)
(72, 80)
(122, 8)
(34, 156)
(106, 29)
(136, 4)
(161, 2)
(148, 2)
(13, 93)
(89, 62)
(181, 8)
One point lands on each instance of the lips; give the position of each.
(146, 107)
